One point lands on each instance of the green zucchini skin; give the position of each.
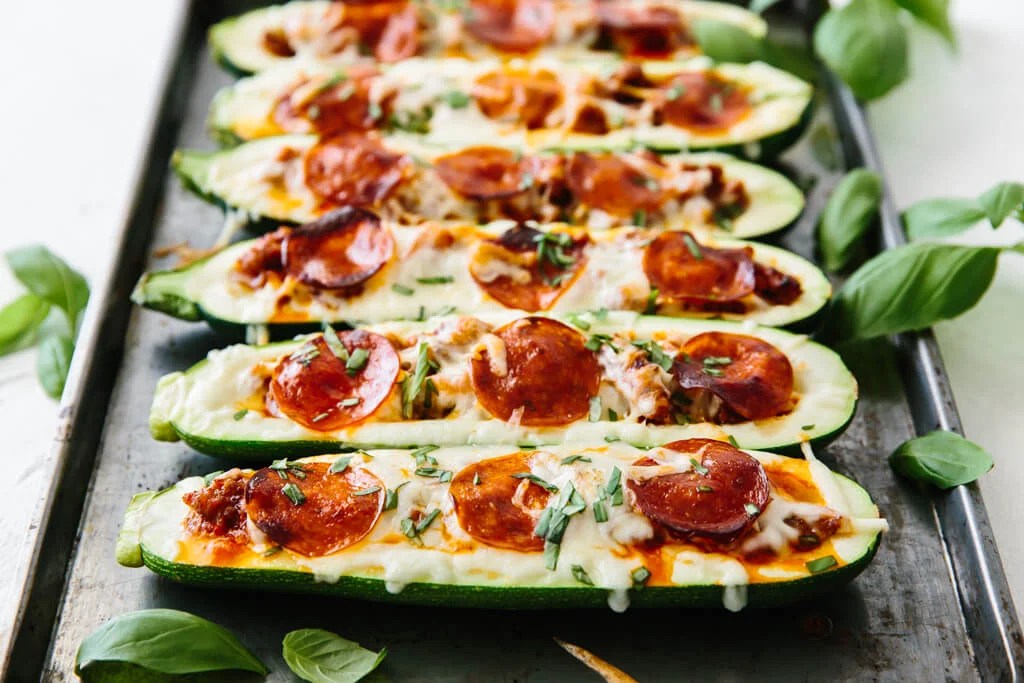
(506, 597)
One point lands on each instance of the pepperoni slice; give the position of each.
(389, 28)
(522, 96)
(500, 510)
(217, 510)
(313, 387)
(704, 102)
(681, 268)
(486, 172)
(642, 30)
(511, 25)
(325, 515)
(548, 379)
(776, 287)
(512, 272)
(341, 249)
(614, 185)
(752, 377)
(400, 38)
(711, 505)
(353, 169)
(263, 257)
(337, 105)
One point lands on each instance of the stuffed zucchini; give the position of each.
(294, 179)
(351, 267)
(505, 379)
(393, 30)
(692, 523)
(753, 109)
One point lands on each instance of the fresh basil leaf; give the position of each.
(941, 217)
(795, 58)
(20, 319)
(759, 6)
(162, 641)
(53, 360)
(865, 43)
(1001, 201)
(909, 288)
(942, 458)
(850, 211)
(320, 656)
(725, 42)
(933, 13)
(49, 278)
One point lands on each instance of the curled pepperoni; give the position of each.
(527, 97)
(710, 501)
(486, 172)
(341, 249)
(614, 185)
(388, 28)
(776, 287)
(681, 268)
(336, 105)
(355, 170)
(703, 102)
(751, 377)
(218, 510)
(400, 38)
(547, 377)
(263, 257)
(641, 30)
(513, 272)
(496, 508)
(511, 25)
(324, 516)
(315, 388)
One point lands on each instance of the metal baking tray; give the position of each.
(934, 605)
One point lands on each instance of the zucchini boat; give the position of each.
(754, 109)
(320, 273)
(506, 379)
(694, 523)
(393, 30)
(295, 178)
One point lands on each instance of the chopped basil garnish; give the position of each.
(366, 492)
(596, 341)
(270, 552)
(752, 509)
(600, 511)
(580, 574)
(391, 497)
(640, 576)
(578, 321)
(357, 361)
(349, 402)
(536, 480)
(652, 302)
(704, 488)
(640, 218)
(434, 472)
(611, 438)
(553, 522)
(612, 416)
(821, 564)
(294, 493)
(284, 468)
(414, 384)
(334, 342)
(476, 479)
(733, 441)
(716, 103)
(600, 314)
(577, 457)
(436, 280)
(374, 110)
(305, 354)
(413, 530)
(807, 428)
(613, 489)
(693, 247)
(656, 354)
(340, 465)
(240, 414)
(699, 468)
(551, 247)
(594, 414)
(208, 479)
(402, 289)
(675, 92)
(457, 99)
(421, 457)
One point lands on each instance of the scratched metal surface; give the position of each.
(907, 617)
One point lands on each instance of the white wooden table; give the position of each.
(77, 106)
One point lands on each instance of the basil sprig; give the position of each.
(320, 656)
(910, 287)
(865, 43)
(942, 217)
(51, 284)
(161, 641)
(944, 459)
(851, 210)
